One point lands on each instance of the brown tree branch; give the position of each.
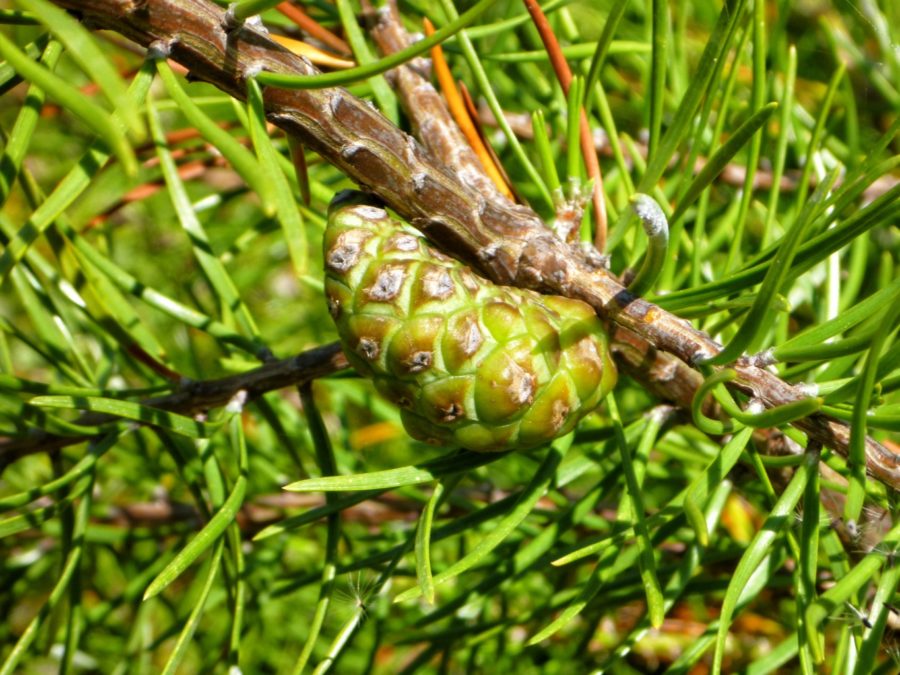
(509, 244)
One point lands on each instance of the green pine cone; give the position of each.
(470, 363)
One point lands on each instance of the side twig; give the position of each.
(196, 397)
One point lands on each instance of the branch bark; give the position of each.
(505, 242)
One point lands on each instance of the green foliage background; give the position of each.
(105, 290)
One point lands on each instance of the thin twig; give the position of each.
(429, 117)
(196, 397)
(457, 108)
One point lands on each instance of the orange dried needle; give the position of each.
(312, 27)
(473, 115)
(588, 150)
(187, 171)
(318, 56)
(461, 115)
(373, 434)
